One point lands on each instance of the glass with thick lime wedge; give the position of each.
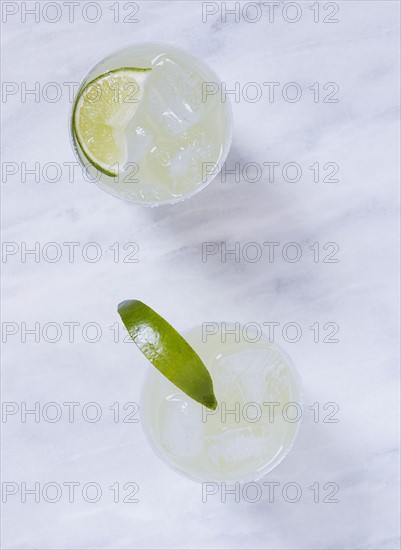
(222, 404)
(150, 124)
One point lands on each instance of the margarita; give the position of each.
(148, 124)
(250, 431)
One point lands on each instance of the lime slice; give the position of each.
(101, 114)
(167, 350)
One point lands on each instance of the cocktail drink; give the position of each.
(148, 123)
(256, 420)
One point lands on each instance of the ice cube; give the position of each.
(139, 140)
(175, 99)
(225, 380)
(161, 155)
(248, 370)
(187, 164)
(235, 446)
(260, 374)
(265, 368)
(181, 426)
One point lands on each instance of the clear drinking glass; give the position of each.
(178, 137)
(247, 436)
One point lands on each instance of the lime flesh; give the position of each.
(102, 111)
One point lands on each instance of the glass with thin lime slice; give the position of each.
(150, 125)
(222, 404)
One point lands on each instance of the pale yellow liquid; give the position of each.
(220, 446)
(178, 131)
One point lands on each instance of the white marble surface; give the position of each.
(359, 293)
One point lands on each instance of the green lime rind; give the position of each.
(79, 94)
(168, 351)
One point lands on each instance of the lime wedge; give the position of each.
(101, 114)
(168, 351)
